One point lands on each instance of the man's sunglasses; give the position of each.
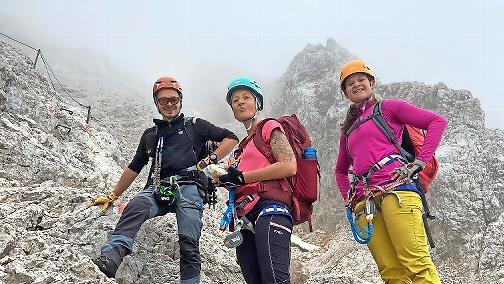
(172, 101)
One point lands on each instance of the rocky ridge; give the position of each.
(48, 236)
(465, 197)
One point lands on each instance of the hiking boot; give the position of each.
(106, 265)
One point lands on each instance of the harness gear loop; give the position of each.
(169, 186)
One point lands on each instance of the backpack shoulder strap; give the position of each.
(385, 128)
(357, 124)
(190, 130)
(261, 145)
(189, 123)
(382, 124)
(259, 142)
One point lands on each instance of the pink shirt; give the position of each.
(368, 145)
(252, 159)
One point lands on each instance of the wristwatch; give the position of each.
(213, 158)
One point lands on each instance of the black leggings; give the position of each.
(264, 257)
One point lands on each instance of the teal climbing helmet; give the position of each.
(248, 83)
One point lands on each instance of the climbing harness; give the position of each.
(275, 209)
(370, 192)
(235, 238)
(168, 189)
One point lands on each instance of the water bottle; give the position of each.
(310, 153)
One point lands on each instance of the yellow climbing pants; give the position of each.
(399, 243)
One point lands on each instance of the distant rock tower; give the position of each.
(331, 44)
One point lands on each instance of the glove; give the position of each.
(234, 177)
(210, 159)
(106, 201)
(408, 170)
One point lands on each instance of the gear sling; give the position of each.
(412, 141)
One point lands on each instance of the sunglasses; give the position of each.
(172, 101)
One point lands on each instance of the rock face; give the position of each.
(44, 135)
(47, 176)
(49, 236)
(466, 197)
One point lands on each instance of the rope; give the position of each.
(358, 236)
(96, 119)
(49, 73)
(370, 192)
(18, 41)
(59, 83)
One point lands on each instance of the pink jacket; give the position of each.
(368, 145)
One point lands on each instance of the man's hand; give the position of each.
(408, 170)
(233, 177)
(106, 201)
(210, 159)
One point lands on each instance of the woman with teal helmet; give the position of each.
(262, 196)
(249, 83)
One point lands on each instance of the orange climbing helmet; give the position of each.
(352, 67)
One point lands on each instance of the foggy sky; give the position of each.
(453, 42)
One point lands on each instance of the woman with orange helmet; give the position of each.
(371, 172)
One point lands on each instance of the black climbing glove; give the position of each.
(409, 170)
(234, 177)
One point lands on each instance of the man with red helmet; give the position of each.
(171, 186)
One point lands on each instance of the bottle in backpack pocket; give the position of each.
(309, 153)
